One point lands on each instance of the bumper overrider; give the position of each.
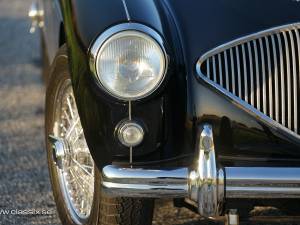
(204, 182)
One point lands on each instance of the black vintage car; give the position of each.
(195, 100)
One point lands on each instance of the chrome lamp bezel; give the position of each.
(106, 35)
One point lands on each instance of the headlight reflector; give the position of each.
(130, 64)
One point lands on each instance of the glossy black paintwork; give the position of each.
(101, 113)
(189, 28)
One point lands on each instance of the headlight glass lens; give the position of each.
(130, 65)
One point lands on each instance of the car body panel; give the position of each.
(190, 29)
(52, 25)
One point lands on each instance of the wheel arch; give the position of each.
(82, 22)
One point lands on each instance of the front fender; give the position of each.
(84, 21)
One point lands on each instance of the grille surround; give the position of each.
(259, 73)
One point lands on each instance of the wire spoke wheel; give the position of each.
(76, 167)
(74, 176)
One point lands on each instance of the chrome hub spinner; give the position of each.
(58, 150)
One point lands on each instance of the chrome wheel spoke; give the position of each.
(70, 107)
(67, 117)
(82, 167)
(72, 128)
(78, 178)
(78, 136)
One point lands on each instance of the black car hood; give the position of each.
(205, 24)
(199, 24)
(202, 25)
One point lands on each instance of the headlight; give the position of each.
(130, 64)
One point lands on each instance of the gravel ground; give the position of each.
(24, 182)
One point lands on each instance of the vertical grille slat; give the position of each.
(208, 68)
(262, 72)
(220, 70)
(251, 74)
(281, 80)
(214, 69)
(238, 71)
(298, 79)
(226, 70)
(257, 75)
(288, 75)
(270, 78)
(245, 74)
(294, 81)
(275, 78)
(263, 69)
(232, 71)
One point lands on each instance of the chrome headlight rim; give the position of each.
(101, 40)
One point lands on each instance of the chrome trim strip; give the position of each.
(246, 39)
(126, 10)
(262, 182)
(130, 118)
(298, 45)
(130, 154)
(129, 110)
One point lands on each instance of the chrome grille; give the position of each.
(260, 72)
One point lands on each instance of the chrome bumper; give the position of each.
(203, 183)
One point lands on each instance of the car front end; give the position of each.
(191, 100)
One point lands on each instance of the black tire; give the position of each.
(105, 211)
